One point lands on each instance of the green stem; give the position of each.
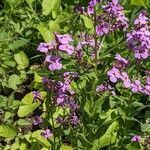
(50, 115)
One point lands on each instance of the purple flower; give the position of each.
(90, 10)
(125, 79)
(142, 19)
(60, 99)
(43, 47)
(37, 120)
(74, 120)
(78, 9)
(47, 133)
(67, 48)
(64, 39)
(102, 29)
(136, 138)
(141, 54)
(121, 59)
(36, 95)
(139, 39)
(148, 80)
(136, 86)
(114, 74)
(54, 62)
(101, 88)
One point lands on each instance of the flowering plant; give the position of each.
(91, 87)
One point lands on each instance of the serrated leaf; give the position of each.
(7, 131)
(21, 59)
(46, 34)
(87, 22)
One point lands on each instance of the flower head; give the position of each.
(47, 133)
(136, 138)
(37, 120)
(54, 62)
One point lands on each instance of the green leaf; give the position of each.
(37, 78)
(65, 147)
(17, 44)
(28, 98)
(13, 81)
(87, 22)
(108, 138)
(30, 2)
(7, 131)
(54, 26)
(43, 141)
(22, 60)
(139, 2)
(27, 109)
(49, 5)
(46, 34)
(133, 146)
(23, 122)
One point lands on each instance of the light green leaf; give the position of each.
(7, 131)
(17, 44)
(13, 81)
(65, 147)
(28, 98)
(23, 122)
(54, 26)
(27, 109)
(108, 138)
(139, 2)
(30, 2)
(37, 78)
(49, 5)
(22, 60)
(46, 34)
(43, 141)
(87, 22)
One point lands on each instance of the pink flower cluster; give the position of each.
(117, 74)
(61, 44)
(139, 39)
(112, 19)
(65, 97)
